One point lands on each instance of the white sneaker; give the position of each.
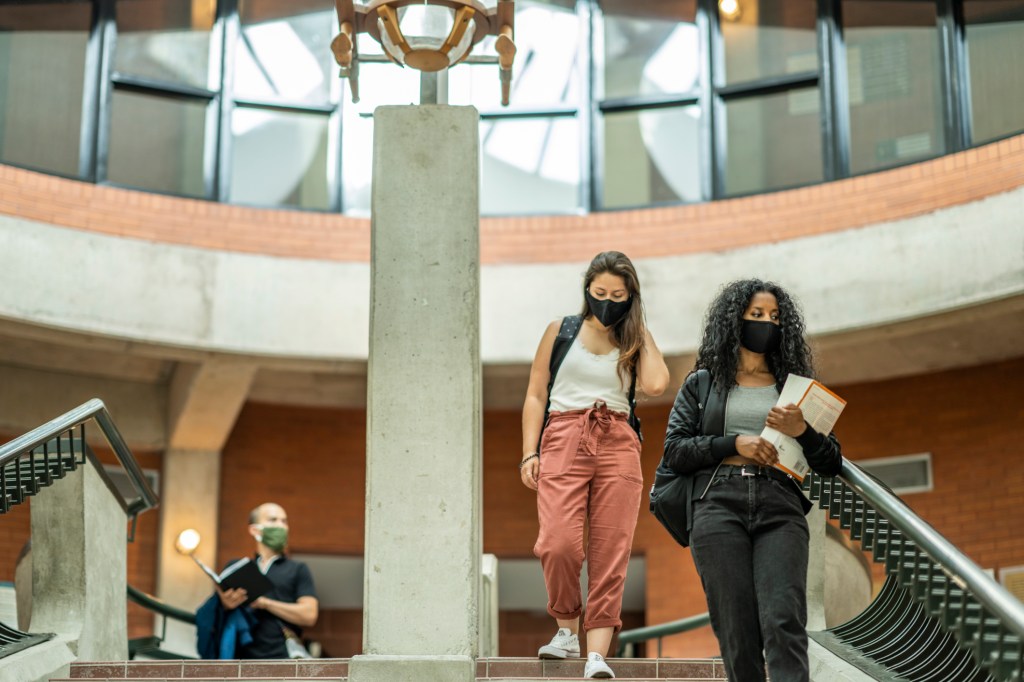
(563, 645)
(596, 668)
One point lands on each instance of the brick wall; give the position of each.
(864, 200)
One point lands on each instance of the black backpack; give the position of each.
(671, 492)
(567, 333)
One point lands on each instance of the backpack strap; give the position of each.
(703, 394)
(567, 333)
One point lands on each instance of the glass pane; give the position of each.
(167, 40)
(279, 159)
(530, 165)
(765, 38)
(895, 86)
(156, 143)
(995, 48)
(652, 157)
(545, 72)
(647, 47)
(40, 127)
(773, 142)
(284, 51)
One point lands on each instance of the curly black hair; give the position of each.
(719, 350)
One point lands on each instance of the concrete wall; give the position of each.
(317, 312)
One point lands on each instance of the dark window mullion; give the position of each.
(644, 103)
(769, 86)
(833, 93)
(591, 193)
(712, 107)
(230, 27)
(955, 91)
(96, 98)
(147, 86)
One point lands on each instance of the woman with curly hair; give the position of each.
(749, 537)
(587, 465)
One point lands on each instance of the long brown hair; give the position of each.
(627, 334)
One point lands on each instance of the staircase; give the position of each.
(336, 670)
(28, 465)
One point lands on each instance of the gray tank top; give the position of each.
(747, 408)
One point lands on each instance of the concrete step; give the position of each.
(336, 670)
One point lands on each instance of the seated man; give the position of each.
(291, 604)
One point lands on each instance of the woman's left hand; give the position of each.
(788, 419)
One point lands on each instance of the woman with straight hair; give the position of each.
(749, 536)
(586, 468)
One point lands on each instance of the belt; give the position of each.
(751, 471)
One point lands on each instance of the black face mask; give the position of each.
(760, 337)
(608, 312)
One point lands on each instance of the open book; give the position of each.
(821, 408)
(244, 574)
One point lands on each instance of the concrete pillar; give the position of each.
(189, 496)
(423, 480)
(203, 405)
(79, 566)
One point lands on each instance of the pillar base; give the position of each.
(369, 668)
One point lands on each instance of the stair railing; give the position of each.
(150, 646)
(43, 448)
(48, 453)
(939, 615)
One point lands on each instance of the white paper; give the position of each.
(821, 410)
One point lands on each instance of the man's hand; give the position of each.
(788, 419)
(232, 599)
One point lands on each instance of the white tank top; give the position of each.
(585, 378)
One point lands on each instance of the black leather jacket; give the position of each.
(692, 447)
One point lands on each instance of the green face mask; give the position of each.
(274, 537)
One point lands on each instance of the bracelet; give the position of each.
(527, 459)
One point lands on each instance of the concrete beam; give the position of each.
(204, 402)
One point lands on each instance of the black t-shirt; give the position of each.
(291, 580)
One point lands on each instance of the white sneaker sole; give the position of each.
(600, 674)
(553, 652)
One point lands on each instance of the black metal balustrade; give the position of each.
(938, 617)
(45, 455)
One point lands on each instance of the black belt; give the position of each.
(751, 471)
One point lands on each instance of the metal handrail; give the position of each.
(964, 572)
(661, 630)
(159, 606)
(97, 411)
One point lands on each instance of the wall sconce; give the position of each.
(187, 541)
(427, 35)
(729, 9)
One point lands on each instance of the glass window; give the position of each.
(166, 40)
(530, 165)
(647, 48)
(995, 48)
(279, 159)
(895, 83)
(156, 143)
(42, 43)
(773, 142)
(651, 156)
(284, 51)
(545, 72)
(765, 38)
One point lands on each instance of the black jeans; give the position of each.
(749, 542)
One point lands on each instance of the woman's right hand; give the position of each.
(757, 449)
(529, 472)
